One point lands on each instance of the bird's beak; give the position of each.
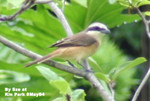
(107, 31)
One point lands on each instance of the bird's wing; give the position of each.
(75, 40)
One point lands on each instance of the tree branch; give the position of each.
(146, 23)
(27, 4)
(33, 55)
(146, 77)
(62, 18)
(87, 75)
(42, 1)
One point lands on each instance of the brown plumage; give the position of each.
(77, 47)
(71, 48)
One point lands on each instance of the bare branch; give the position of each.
(63, 5)
(27, 4)
(33, 55)
(147, 76)
(42, 1)
(97, 85)
(62, 18)
(88, 75)
(146, 23)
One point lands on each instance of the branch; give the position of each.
(146, 23)
(42, 1)
(62, 18)
(141, 85)
(88, 75)
(33, 55)
(27, 4)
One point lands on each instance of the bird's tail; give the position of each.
(43, 59)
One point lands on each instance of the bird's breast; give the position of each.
(78, 53)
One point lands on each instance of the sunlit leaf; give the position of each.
(7, 77)
(147, 13)
(103, 77)
(130, 65)
(112, 1)
(78, 95)
(144, 2)
(56, 81)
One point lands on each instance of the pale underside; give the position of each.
(77, 53)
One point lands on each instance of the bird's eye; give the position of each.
(95, 29)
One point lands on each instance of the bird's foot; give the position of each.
(72, 65)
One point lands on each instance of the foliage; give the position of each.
(37, 28)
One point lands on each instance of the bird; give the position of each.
(77, 47)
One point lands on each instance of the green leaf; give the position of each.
(18, 68)
(112, 1)
(10, 56)
(48, 74)
(82, 2)
(144, 2)
(78, 95)
(95, 65)
(7, 77)
(103, 76)
(56, 81)
(127, 3)
(130, 65)
(60, 99)
(62, 86)
(147, 13)
(14, 3)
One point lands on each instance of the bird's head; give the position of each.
(97, 30)
(98, 27)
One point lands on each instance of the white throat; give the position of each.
(95, 34)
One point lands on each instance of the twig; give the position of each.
(42, 1)
(27, 4)
(88, 75)
(33, 55)
(68, 97)
(63, 5)
(97, 85)
(146, 23)
(112, 90)
(62, 18)
(141, 85)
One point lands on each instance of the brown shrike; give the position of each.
(79, 46)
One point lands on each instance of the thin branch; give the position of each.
(147, 76)
(27, 4)
(88, 75)
(63, 5)
(33, 55)
(42, 1)
(62, 18)
(97, 85)
(146, 23)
